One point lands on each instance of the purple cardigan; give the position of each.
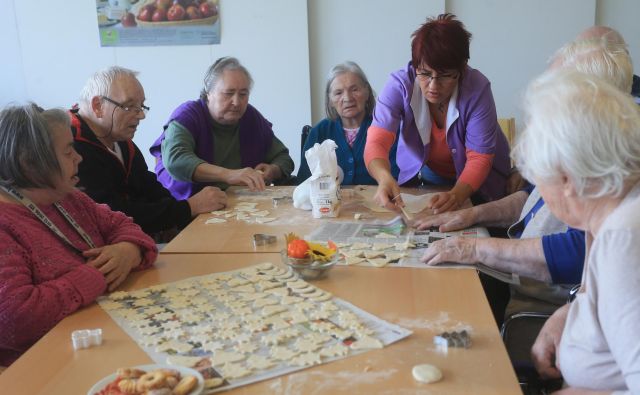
(256, 137)
(475, 128)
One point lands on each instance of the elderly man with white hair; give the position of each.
(541, 247)
(113, 170)
(581, 147)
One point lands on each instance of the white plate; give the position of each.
(100, 385)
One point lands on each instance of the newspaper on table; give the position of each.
(396, 232)
(246, 325)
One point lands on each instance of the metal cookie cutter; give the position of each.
(453, 339)
(86, 338)
(261, 239)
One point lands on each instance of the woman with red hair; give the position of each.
(443, 113)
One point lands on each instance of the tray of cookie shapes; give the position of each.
(246, 325)
(143, 379)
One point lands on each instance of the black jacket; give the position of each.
(130, 188)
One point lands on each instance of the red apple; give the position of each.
(193, 12)
(129, 20)
(183, 3)
(176, 13)
(159, 15)
(208, 9)
(146, 12)
(164, 4)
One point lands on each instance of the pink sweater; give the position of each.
(42, 280)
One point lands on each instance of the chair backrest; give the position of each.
(303, 137)
(508, 126)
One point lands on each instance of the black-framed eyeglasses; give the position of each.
(442, 79)
(131, 109)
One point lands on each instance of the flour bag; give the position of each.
(324, 183)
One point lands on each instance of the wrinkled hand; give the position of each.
(444, 201)
(446, 222)
(515, 182)
(451, 249)
(270, 173)
(247, 176)
(387, 190)
(208, 199)
(544, 350)
(114, 261)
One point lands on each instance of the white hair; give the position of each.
(601, 56)
(99, 84)
(582, 127)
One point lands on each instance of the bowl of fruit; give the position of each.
(308, 259)
(158, 13)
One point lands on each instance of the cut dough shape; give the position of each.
(246, 348)
(306, 345)
(384, 235)
(224, 357)
(366, 342)
(288, 300)
(299, 284)
(360, 246)
(220, 212)
(262, 213)
(260, 362)
(306, 359)
(179, 360)
(264, 220)
(213, 383)
(214, 220)
(426, 373)
(271, 310)
(229, 215)
(353, 254)
(337, 350)
(381, 246)
(378, 262)
(412, 203)
(353, 260)
(282, 353)
(264, 302)
(278, 291)
(373, 254)
(234, 371)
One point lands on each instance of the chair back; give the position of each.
(303, 136)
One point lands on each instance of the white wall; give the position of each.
(513, 39)
(55, 50)
(374, 34)
(49, 50)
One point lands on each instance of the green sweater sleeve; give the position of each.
(178, 152)
(278, 155)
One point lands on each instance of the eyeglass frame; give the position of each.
(439, 79)
(142, 109)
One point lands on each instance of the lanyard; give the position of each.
(25, 201)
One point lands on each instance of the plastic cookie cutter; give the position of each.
(453, 339)
(261, 239)
(86, 338)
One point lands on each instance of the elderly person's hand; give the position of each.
(246, 176)
(451, 249)
(388, 194)
(543, 352)
(446, 222)
(270, 172)
(114, 261)
(208, 199)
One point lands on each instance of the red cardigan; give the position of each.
(42, 280)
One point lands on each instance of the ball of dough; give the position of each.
(426, 373)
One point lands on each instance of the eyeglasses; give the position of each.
(439, 79)
(130, 109)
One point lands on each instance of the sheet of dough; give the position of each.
(413, 203)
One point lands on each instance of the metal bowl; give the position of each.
(307, 268)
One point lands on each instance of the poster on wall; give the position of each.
(128, 23)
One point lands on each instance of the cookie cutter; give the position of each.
(282, 199)
(261, 239)
(86, 338)
(453, 339)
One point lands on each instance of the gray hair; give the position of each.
(580, 126)
(339, 69)
(215, 71)
(27, 154)
(602, 56)
(99, 84)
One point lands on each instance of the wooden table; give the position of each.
(425, 301)
(237, 236)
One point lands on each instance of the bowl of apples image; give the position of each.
(159, 13)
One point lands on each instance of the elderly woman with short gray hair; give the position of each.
(60, 249)
(220, 139)
(581, 147)
(349, 102)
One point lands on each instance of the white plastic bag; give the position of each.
(324, 183)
